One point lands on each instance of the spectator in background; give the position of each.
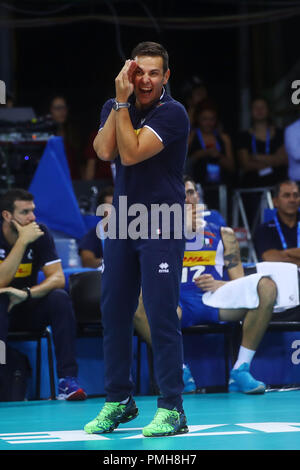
(65, 127)
(261, 154)
(94, 167)
(90, 246)
(292, 146)
(195, 91)
(210, 157)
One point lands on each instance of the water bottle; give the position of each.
(73, 254)
(94, 199)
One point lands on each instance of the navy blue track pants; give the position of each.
(155, 266)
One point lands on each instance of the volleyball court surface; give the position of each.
(220, 421)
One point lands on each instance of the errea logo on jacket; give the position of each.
(163, 268)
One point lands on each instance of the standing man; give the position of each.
(146, 131)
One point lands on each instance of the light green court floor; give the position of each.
(216, 422)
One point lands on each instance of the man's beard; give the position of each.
(13, 228)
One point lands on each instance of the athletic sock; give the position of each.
(245, 355)
(124, 402)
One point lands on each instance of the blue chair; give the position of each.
(269, 214)
(38, 336)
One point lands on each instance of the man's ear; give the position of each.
(167, 76)
(7, 216)
(274, 199)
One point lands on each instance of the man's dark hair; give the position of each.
(152, 49)
(277, 188)
(107, 191)
(187, 178)
(7, 201)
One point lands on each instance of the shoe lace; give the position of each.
(73, 381)
(110, 411)
(69, 382)
(164, 416)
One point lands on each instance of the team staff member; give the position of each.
(26, 248)
(147, 134)
(279, 239)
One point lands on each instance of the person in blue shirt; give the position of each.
(208, 264)
(205, 265)
(27, 247)
(90, 250)
(146, 132)
(90, 247)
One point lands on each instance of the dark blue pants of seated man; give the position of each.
(55, 310)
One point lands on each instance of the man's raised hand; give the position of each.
(28, 233)
(124, 81)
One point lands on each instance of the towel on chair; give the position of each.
(242, 292)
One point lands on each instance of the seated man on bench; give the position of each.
(27, 247)
(278, 240)
(206, 260)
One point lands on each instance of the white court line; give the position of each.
(195, 430)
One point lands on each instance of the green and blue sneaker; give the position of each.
(166, 423)
(242, 381)
(111, 415)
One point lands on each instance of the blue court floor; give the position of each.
(216, 422)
